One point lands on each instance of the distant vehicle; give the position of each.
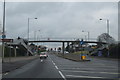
(43, 55)
(66, 52)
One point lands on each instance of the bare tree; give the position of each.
(106, 38)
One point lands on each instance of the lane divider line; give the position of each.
(54, 63)
(62, 75)
(58, 70)
(56, 67)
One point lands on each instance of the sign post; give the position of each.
(3, 36)
(81, 43)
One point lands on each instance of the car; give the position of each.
(43, 55)
(66, 52)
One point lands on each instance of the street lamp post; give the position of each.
(39, 35)
(88, 34)
(107, 31)
(29, 26)
(3, 33)
(28, 33)
(107, 25)
(34, 35)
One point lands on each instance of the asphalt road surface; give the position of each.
(57, 67)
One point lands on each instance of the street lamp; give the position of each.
(107, 30)
(107, 25)
(39, 35)
(28, 32)
(88, 33)
(28, 26)
(35, 35)
(3, 33)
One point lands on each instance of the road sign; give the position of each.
(81, 42)
(3, 36)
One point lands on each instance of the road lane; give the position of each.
(35, 69)
(57, 67)
(96, 68)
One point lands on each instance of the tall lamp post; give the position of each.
(3, 33)
(107, 25)
(107, 31)
(88, 34)
(28, 32)
(29, 25)
(36, 35)
(39, 35)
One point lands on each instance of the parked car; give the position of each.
(43, 55)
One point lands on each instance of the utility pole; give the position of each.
(88, 34)
(3, 33)
(28, 34)
(107, 26)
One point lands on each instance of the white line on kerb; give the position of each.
(62, 75)
(83, 76)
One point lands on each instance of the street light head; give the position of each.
(35, 18)
(82, 31)
(100, 19)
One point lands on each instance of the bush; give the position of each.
(114, 50)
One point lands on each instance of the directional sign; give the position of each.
(81, 42)
(3, 36)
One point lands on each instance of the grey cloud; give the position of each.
(63, 19)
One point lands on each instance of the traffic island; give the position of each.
(75, 57)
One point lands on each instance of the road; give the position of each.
(57, 67)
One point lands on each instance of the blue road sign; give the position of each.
(3, 36)
(81, 42)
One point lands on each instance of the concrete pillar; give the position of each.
(63, 47)
(68, 46)
(72, 47)
(15, 50)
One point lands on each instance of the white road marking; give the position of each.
(87, 69)
(58, 71)
(62, 75)
(91, 72)
(56, 67)
(54, 63)
(5, 73)
(84, 76)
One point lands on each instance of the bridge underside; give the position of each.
(63, 42)
(67, 41)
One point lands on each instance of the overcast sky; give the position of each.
(61, 19)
